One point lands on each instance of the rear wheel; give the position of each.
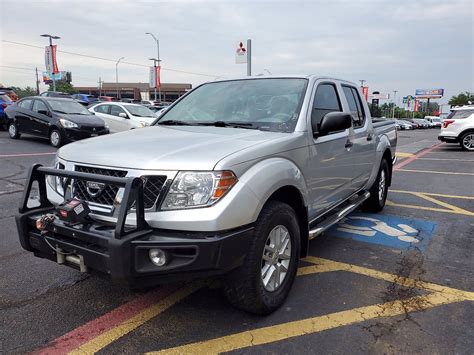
(378, 191)
(13, 131)
(55, 138)
(262, 283)
(467, 141)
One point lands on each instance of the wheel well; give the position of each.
(51, 128)
(465, 131)
(292, 196)
(388, 157)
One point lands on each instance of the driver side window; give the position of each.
(116, 110)
(326, 100)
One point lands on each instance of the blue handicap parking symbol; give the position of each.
(391, 231)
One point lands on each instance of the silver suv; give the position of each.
(233, 180)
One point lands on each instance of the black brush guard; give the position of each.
(121, 250)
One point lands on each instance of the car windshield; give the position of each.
(68, 107)
(266, 104)
(460, 114)
(139, 111)
(5, 98)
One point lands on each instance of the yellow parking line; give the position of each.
(441, 295)
(127, 326)
(434, 209)
(434, 194)
(444, 204)
(404, 155)
(463, 160)
(434, 172)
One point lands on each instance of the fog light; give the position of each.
(158, 257)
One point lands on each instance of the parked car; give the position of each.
(402, 125)
(415, 124)
(58, 119)
(56, 94)
(410, 124)
(458, 127)
(424, 124)
(123, 116)
(147, 103)
(130, 101)
(86, 99)
(10, 92)
(233, 180)
(434, 120)
(5, 101)
(106, 98)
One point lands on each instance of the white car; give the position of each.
(121, 116)
(435, 120)
(458, 127)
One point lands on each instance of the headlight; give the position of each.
(67, 124)
(56, 182)
(198, 189)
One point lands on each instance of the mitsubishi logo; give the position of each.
(94, 189)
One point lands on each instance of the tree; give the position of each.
(24, 92)
(462, 99)
(63, 86)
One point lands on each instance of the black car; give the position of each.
(59, 119)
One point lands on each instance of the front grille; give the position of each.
(151, 187)
(92, 129)
(107, 196)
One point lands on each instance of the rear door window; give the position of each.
(26, 104)
(355, 105)
(102, 109)
(326, 100)
(460, 114)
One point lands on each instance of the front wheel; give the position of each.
(467, 141)
(55, 138)
(13, 131)
(378, 191)
(262, 283)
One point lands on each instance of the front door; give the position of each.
(40, 121)
(120, 123)
(330, 165)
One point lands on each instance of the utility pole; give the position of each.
(158, 60)
(51, 45)
(116, 75)
(37, 82)
(249, 57)
(394, 101)
(100, 86)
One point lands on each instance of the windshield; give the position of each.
(267, 104)
(69, 107)
(139, 111)
(460, 114)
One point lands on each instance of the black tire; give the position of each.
(467, 141)
(13, 130)
(55, 138)
(376, 201)
(244, 287)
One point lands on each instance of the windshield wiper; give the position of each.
(228, 124)
(60, 111)
(175, 123)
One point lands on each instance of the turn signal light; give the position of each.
(226, 181)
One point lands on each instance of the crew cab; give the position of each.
(233, 180)
(458, 127)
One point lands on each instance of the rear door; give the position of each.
(22, 115)
(362, 138)
(330, 166)
(40, 121)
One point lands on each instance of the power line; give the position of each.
(111, 60)
(11, 67)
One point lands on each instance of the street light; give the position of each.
(116, 75)
(51, 45)
(154, 67)
(157, 58)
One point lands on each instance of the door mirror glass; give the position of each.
(123, 115)
(334, 122)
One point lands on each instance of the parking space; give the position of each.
(401, 281)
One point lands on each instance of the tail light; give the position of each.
(4, 106)
(446, 123)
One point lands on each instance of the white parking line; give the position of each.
(24, 155)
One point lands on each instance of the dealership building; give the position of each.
(139, 91)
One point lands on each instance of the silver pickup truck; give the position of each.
(233, 180)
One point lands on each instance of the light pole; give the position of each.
(362, 81)
(116, 75)
(154, 67)
(157, 59)
(51, 45)
(394, 101)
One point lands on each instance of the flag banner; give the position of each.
(50, 59)
(365, 92)
(158, 77)
(155, 80)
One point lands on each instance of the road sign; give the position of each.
(391, 231)
(241, 52)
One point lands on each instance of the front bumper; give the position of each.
(75, 134)
(120, 251)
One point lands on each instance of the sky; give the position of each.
(394, 45)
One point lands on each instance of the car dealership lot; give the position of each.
(398, 281)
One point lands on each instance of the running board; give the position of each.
(338, 216)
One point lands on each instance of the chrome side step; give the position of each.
(330, 221)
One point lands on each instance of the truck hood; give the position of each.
(165, 148)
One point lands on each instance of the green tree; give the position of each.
(462, 99)
(24, 92)
(63, 86)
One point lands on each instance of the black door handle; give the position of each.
(348, 144)
(370, 137)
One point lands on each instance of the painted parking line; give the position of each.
(439, 295)
(449, 159)
(404, 155)
(448, 208)
(25, 155)
(433, 172)
(416, 156)
(390, 231)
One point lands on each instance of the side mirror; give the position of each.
(333, 122)
(123, 115)
(43, 112)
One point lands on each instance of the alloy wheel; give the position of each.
(12, 130)
(382, 185)
(468, 141)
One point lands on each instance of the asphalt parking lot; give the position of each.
(401, 281)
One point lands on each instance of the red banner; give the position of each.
(365, 92)
(53, 60)
(417, 105)
(157, 77)
(50, 59)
